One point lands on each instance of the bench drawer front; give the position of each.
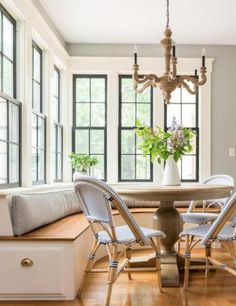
(32, 270)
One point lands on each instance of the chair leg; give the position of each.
(128, 256)
(187, 264)
(158, 264)
(208, 254)
(90, 263)
(112, 273)
(157, 248)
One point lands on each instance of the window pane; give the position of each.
(144, 114)
(13, 163)
(34, 164)
(36, 65)
(3, 119)
(173, 110)
(8, 37)
(176, 96)
(96, 141)
(145, 96)
(189, 115)
(188, 167)
(143, 167)
(98, 170)
(3, 162)
(13, 123)
(59, 141)
(41, 165)
(128, 167)
(82, 114)
(128, 114)
(41, 133)
(127, 90)
(1, 31)
(82, 141)
(188, 97)
(7, 77)
(127, 142)
(36, 96)
(98, 90)
(56, 83)
(59, 166)
(34, 131)
(56, 109)
(82, 90)
(97, 114)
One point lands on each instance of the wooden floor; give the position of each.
(218, 290)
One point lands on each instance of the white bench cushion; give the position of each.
(30, 211)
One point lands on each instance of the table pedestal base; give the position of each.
(170, 271)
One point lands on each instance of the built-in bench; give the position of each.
(48, 261)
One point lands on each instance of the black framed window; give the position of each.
(58, 128)
(89, 121)
(36, 78)
(10, 142)
(7, 53)
(184, 107)
(38, 120)
(132, 107)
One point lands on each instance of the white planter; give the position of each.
(78, 174)
(171, 173)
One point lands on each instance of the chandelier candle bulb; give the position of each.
(135, 54)
(203, 56)
(173, 49)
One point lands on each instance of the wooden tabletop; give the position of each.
(184, 192)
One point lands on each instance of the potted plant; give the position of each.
(81, 163)
(168, 146)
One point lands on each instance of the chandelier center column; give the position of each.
(166, 43)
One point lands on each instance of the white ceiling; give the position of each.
(140, 21)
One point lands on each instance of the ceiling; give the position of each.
(143, 22)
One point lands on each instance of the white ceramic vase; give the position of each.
(171, 173)
(78, 174)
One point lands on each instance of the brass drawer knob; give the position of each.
(27, 262)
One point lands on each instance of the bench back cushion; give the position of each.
(30, 211)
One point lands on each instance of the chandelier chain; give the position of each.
(167, 14)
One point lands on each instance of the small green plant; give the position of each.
(160, 144)
(82, 162)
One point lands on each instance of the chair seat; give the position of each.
(200, 231)
(124, 234)
(198, 218)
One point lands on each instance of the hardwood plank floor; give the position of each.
(217, 290)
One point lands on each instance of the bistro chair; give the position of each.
(204, 216)
(222, 231)
(97, 199)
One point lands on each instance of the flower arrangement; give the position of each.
(82, 162)
(160, 144)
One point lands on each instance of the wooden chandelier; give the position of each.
(169, 81)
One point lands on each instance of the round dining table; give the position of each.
(167, 218)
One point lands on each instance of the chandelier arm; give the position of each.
(191, 91)
(193, 80)
(142, 88)
(149, 77)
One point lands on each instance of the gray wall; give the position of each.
(223, 91)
